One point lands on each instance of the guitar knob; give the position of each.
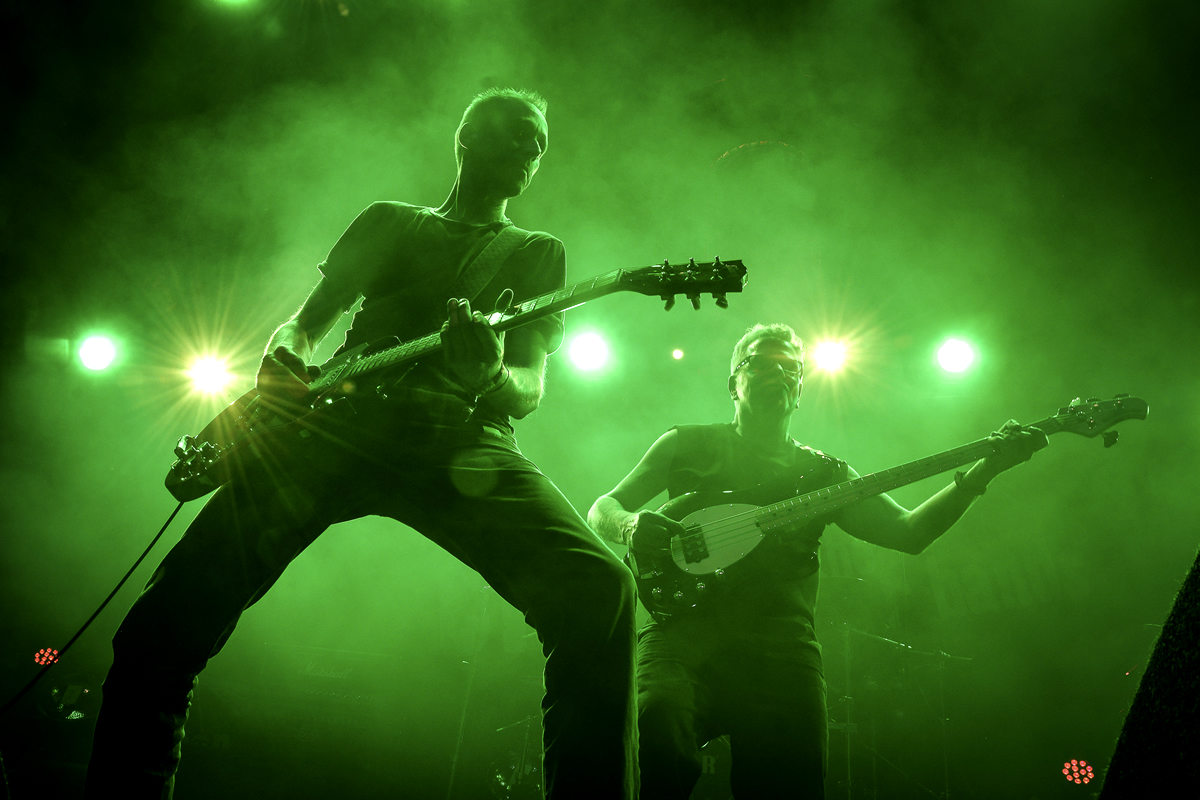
(720, 573)
(701, 587)
(679, 597)
(656, 593)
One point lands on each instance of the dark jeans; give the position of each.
(697, 681)
(466, 487)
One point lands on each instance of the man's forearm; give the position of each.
(611, 520)
(520, 393)
(938, 514)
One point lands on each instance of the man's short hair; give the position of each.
(490, 96)
(528, 95)
(776, 330)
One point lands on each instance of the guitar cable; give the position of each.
(46, 668)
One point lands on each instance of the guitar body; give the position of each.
(718, 547)
(247, 428)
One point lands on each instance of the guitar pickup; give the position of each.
(694, 547)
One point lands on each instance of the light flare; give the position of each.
(210, 375)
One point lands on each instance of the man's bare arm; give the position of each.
(284, 371)
(615, 515)
(882, 521)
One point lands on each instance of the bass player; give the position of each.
(749, 665)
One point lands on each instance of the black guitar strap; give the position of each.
(484, 266)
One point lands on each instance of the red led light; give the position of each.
(46, 655)
(1077, 771)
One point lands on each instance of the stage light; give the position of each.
(676, 354)
(1077, 771)
(210, 375)
(829, 356)
(97, 352)
(47, 655)
(588, 351)
(955, 355)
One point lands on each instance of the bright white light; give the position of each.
(209, 375)
(829, 356)
(955, 355)
(588, 351)
(97, 352)
(676, 354)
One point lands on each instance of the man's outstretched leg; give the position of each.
(231, 554)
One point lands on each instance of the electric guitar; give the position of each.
(722, 529)
(213, 456)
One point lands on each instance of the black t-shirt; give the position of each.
(779, 598)
(405, 260)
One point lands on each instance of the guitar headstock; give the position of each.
(1093, 417)
(692, 279)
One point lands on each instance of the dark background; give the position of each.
(892, 172)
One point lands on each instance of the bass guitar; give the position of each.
(213, 456)
(722, 529)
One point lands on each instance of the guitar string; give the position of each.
(733, 530)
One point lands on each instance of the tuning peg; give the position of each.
(666, 265)
(695, 298)
(716, 261)
(670, 302)
(185, 446)
(722, 300)
(1110, 438)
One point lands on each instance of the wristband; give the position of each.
(496, 383)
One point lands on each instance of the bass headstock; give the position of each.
(1093, 417)
(692, 279)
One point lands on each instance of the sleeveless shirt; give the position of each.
(778, 601)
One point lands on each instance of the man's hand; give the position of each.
(652, 532)
(474, 350)
(283, 377)
(1015, 444)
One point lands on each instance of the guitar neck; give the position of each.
(521, 314)
(805, 507)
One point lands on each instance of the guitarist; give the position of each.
(749, 665)
(417, 457)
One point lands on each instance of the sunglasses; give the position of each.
(762, 362)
